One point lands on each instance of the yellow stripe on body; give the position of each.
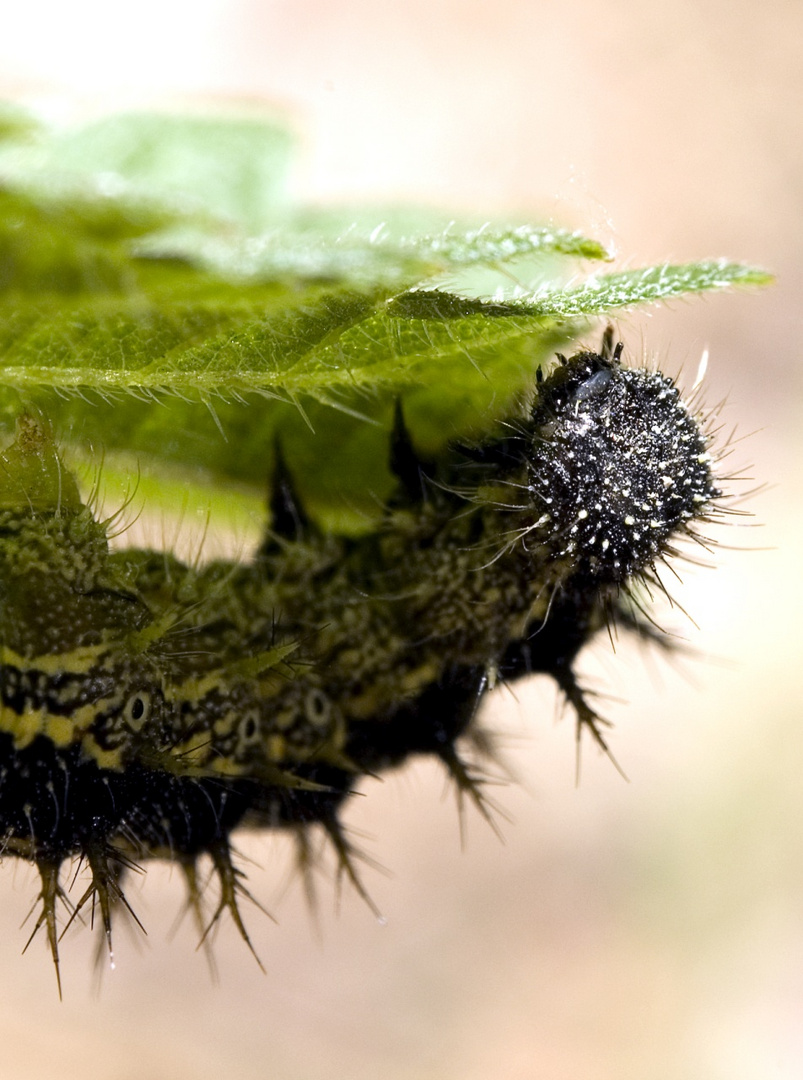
(61, 730)
(76, 662)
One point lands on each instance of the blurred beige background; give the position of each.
(649, 930)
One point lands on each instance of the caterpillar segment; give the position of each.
(149, 708)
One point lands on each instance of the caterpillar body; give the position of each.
(148, 708)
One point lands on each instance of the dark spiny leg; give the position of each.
(467, 688)
(551, 648)
(106, 865)
(586, 716)
(470, 783)
(306, 862)
(119, 907)
(347, 855)
(231, 886)
(189, 868)
(193, 904)
(49, 894)
(432, 724)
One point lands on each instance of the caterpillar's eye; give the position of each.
(137, 709)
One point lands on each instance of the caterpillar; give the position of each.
(148, 708)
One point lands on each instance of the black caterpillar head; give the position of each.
(619, 464)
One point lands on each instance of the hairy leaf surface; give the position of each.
(164, 304)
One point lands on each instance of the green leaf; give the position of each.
(15, 122)
(50, 249)
(605, 293)
(230, 168)
(364, 254)
(214, 339)
(209, 384)
(152, 304)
